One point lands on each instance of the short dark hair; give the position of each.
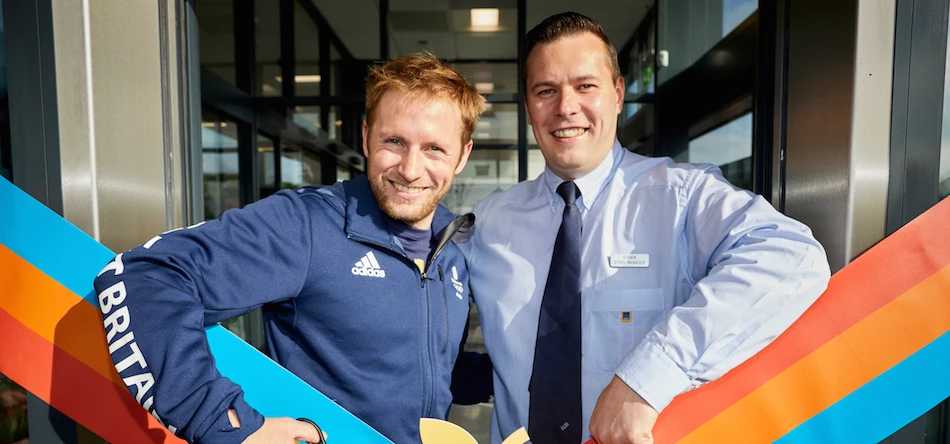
(562, 25)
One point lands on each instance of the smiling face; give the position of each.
(414, 151)
(572, 103)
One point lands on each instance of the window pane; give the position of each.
(535, 162)
(357, 25)
(216, 37)
(729, 147)
(308, 117)
(343, 173)
(266, 165)
(636, 127)
(219, 156)
(640, 76)
(307, 49)
(493, 164)
(291, 167)
(690, 28)
(311, 169)
(735, 12)
(267, 46)
(334, 70)
(491, 78)
(497, 126)
(13, 419)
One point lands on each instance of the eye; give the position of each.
(436, 149)
(393, 141)
(586, 86)
(546, 92)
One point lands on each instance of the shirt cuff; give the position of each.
(651, 373)
(221, 431)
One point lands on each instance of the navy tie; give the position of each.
(554, 413)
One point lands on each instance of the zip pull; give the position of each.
(441, 277)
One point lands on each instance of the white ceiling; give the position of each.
(433, 24)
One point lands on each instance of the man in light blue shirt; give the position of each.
(683, 276)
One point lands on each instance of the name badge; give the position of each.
(619, 260)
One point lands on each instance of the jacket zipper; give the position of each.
(461, 222)
(445, 310)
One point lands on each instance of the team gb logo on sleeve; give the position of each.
(456, 283)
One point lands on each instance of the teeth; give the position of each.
(410, 190)
(569, 132)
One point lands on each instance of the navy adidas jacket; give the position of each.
(344, 309)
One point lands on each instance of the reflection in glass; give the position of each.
(266, 165)
(308, 118)
(493, 164)
(729, 147)
(311, 169)
(690, 28)
(636, 127)
(298, 168)
(640, 78)
(491, 78)
(343, 173)
(291, 167)
(336, 123)
(498, 125)
(535, 163)
(13, 419)
(307, 48)
(216, 37)
(735, 12)
(487, 171)
(334, 70)
(267, 46)
(219, 157)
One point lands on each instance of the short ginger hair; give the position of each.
(424, 76)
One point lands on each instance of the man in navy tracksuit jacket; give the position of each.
(345, 305)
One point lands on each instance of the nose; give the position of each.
(567, 102)
(412, 165)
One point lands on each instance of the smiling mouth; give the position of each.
(408, 189)
(570, 132)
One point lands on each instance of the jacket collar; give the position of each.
(365, 220)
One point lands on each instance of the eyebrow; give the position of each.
(547, 83)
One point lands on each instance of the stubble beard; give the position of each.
(398, 209)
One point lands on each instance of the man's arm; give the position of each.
(755, 272)
(156, 300)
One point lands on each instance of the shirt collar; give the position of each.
(591, 184)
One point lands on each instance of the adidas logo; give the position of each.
(367, 266)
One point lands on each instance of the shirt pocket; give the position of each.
(619, 320)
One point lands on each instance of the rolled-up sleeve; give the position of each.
(753, 272)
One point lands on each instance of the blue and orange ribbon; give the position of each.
(54, 343)
(867, 358)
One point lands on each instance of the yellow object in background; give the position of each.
(435, 431)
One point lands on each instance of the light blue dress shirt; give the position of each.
(683, 277)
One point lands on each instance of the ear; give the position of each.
(365, 134)
(527, 111)
(619, 88)
(466, 150)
